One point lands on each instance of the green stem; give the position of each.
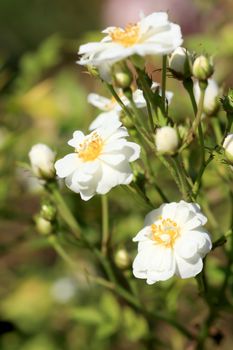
(164, 75)
(202, 143)
(185, 187)
(197, 183)
(148, 93)
(60, 251)
(197, 121)
(188, 85)
(105, 226)
(217, 130)
(172, 171)
(228, 126)
(65, 212)
(119, 101)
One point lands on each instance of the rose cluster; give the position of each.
(173, 240)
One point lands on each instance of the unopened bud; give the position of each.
(180, 63)
(228, 146)
(43, 226)
(122, 259)
(126, 121)
(93, 71)
(122, 75)
(48, 212)
(211, 99)
(42, 161)
(227, 102)
(202, 68)
(166, 140)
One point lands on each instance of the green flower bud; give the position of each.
(122, 259)
(202, 68)
(44, 227)
(48, 212)
(126, 121)
(121, 75)
(93, 71)
(227, 102)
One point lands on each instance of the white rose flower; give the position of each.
(173, 242)
(152, 35)
(166, 139)
(228, 146)
(42, 160)
(112, 109)
(99, 162)
(211, 96)
(106, 104)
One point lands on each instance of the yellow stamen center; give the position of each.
(126, 37)
(90, 148)
(165, 232)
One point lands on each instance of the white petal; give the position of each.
(142, 235)
(142, 259)
(186, 269)
(103, 119)
(154, 215)
(120, 133)
(98, 101)
(113, 158)
(162, 264)
(169, 211)
(114, 146)
(78, 137)
(109, 129)
(156, 19)
(131, 151)
(67, 165)
(113, 176)
(186, 247)
(191, 224)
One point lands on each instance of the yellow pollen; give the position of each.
(90, 148)
(165, 232)
(126, 37)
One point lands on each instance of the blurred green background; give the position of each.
(44, 305)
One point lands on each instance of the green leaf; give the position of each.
(88, 315)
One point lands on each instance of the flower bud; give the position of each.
(211, 99)
(42, 161)
(122, 259)
(48, 212)
(43, 226)
(228, 146)
(180, 62)
(166, 140)
(126, 121)
(93, 71)
(202, 68)
(227, 102)
(122, 75)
